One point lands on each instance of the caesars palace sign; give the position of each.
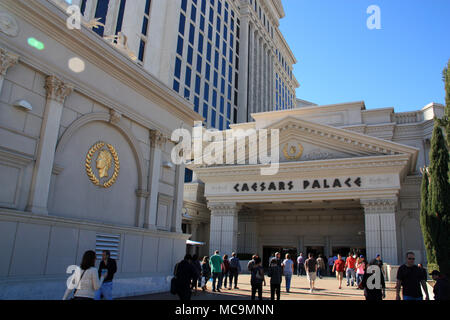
(298, 185)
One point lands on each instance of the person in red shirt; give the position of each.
(350, 269)
(339, 267)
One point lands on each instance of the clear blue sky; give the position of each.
(341, 60)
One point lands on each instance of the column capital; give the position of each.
(157, 139)
(379, 206)
(7, 60)
(223, 208)
(57, 90)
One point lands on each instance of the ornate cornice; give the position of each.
(56, 89)
(377, 206)
(7, 60)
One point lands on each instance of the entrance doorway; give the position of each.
(315, 250)
(269, 252)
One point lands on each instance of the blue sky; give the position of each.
(341, 60)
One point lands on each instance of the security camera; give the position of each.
(23, 104)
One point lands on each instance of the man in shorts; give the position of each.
(339, 267)
(311, 271)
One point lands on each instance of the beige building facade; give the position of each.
(84, 158)
(348, 179)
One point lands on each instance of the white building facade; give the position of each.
(84, 157)
(348, 180)
(228, 58)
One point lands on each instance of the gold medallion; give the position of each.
(105, 159)
(292, 154)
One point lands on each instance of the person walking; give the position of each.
(331, 264)
(441, 289)
(88, 283)
(106, 265)
(339, 267)
(184, 273)
(276, 277)
(376, 289)
(257, 279)
(311, 271)
(288, 271)
(410, 278)
(251, 263)
(235, 269)
(320, 266)
(300, 265)
(216, 268)
(350, 272)
(198, 271)
(206, 273)
(360, 269)
(225, 271)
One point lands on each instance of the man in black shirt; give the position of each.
(441, 288)
(184, 273)
(106, 265)
(410, 277)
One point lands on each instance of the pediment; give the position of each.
(301, 141)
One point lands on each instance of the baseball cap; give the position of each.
(378, 255)
(435, 273)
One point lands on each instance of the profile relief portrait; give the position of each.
(104, 162)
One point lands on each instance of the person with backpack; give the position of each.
(320, 266)
(235, 269)
(257, 278)
(276, 277)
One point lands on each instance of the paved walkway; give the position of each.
(326, 289)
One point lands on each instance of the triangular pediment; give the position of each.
(301, 140)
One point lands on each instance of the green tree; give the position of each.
(439, 199)
(446, 122)
(426, 222)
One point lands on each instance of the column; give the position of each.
(244, 90)
(381, 231)
(157, 142)
(178, 199)
(7, 60)
(223, 227)
(272, 84)
(264, 79)
(267, 106)
(251, 72)
(57, 91)
(258, 74)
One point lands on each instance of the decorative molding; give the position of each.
(223, 208)
(140, 193)
(115, 116)
(7, 59)
(157, 139)
(8, 24)
(377, 206)
(56, 89)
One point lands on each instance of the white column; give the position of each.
(251, 72)
(272, 83)
(258, 74)
(7, 60)
(381, 231)
(243, 105)
(224, 227)
(157, 142)
(178, 199)
(57, 91)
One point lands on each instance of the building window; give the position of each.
(144, 33)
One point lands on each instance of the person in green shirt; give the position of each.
(216, 262)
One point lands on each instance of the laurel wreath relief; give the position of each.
(294, 157)
(96, 147)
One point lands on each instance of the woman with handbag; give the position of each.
(88, 283)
